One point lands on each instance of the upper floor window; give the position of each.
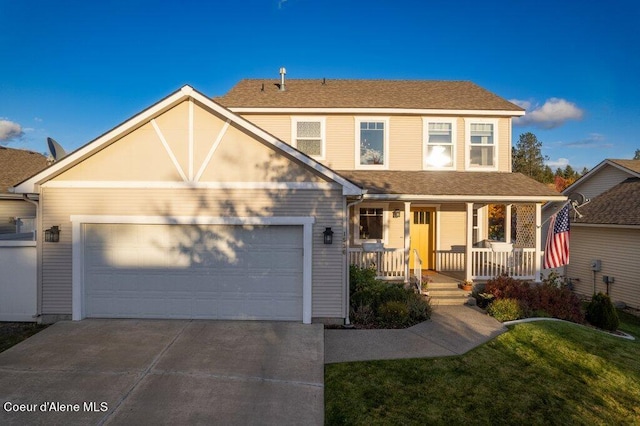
(439, 143)
(372, 143)
(482, 142)
(308, 135)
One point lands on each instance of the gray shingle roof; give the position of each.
(403, 94)
(619, 205)
(17, 164)
(442, 183)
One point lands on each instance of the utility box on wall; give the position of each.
(596, 265)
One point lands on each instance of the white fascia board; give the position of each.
(184, 93)
(467, 198)
(28, 186)
(604, 225)
(417, 111)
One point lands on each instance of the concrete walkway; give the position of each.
(452, 330)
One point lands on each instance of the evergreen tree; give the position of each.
(527, 157)
(636, 156)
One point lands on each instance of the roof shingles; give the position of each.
(619, 205)
(401, 94)
(449, 183)
(17, 165)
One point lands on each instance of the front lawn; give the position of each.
(12, 333)
(537, 373)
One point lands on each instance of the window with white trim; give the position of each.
(308, 135)
(482, 144)
(372, 143)
(370, 224)
(439, 143)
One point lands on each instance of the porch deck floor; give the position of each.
(443, 277)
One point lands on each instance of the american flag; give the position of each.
(556, 251)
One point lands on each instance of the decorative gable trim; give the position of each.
(185, 93)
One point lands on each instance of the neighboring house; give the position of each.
(193, 210)
(606, 229)
(16, 214)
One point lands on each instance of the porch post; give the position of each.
(507, 223)
(407, 239)
(538, 258)
(467, 258)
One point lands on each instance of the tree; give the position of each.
(636, 156)
(527, 158)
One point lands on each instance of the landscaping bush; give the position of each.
(551, 298)
(393, 314)
(601, 313)
(506, 310)
(375, 303)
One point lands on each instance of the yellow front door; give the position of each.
(421, 233)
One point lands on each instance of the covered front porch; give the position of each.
(470, 225)
(479, 258)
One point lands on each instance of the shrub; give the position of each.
(393, 314)
(370, 301)
(419, 309)
(505, 310)
(601, 312)
(363, 315)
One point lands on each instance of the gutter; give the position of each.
(36, 203)
(347, 320)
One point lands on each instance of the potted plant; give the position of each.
(466, 285)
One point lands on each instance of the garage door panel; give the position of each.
(228, 272)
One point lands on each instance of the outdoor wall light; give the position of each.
(396, 213)
(52, 235)
(328, 236)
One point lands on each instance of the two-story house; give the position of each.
(252, 205)
(431, 156)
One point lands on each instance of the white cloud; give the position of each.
(280, 3)
(560, 163)
(9, 130)
(37, 119)
(553, 113)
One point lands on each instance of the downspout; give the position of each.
(26, 198)
(346, 220)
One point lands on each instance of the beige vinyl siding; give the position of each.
(405, 139)
(278, 125)
(405, 143)
(326, 206)
(600, 181)
(504, 145)
(619, 251)
(452, 224)
(340, 131)
(10, 209)
(396, 226)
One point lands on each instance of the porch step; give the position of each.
(447, 293)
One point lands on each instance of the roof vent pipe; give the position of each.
(283, 72)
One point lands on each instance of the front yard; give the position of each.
(537, 373)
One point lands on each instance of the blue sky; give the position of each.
(73, 70)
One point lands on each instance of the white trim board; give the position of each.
(417, 111)
(77, 247)
(190, 185)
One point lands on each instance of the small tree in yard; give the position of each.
(601, 313)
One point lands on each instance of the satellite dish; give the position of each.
(577, 199)
(57, 152)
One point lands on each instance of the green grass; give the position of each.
(536, 374)
(12, 333)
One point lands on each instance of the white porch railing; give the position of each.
(518, 263)
(389, 263)
(485, 263)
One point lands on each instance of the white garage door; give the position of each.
(193, 271)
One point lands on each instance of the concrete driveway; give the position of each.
(165, 372)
